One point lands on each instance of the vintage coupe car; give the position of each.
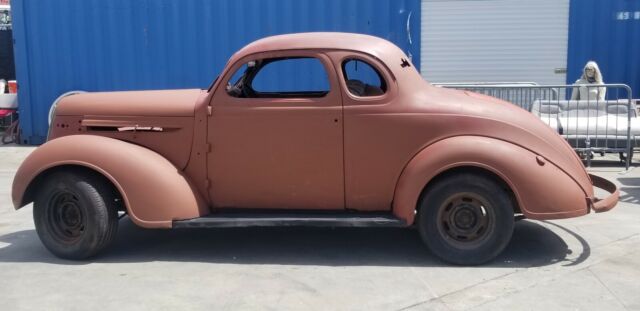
(365, 143)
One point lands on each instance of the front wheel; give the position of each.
(75, 214)
(466, 219)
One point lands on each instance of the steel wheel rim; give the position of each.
(466, 219)
(65, 216)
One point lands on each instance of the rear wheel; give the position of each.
(75, 214)
(466, 219)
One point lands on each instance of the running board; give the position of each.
(235, 220)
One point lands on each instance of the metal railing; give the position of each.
(590, 121)
(462, 84)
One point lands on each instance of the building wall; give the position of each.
(607, 32)
(97, 45)
(494, 40)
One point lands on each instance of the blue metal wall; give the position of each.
(98, 45)
(607, 32)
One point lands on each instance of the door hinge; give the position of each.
(207, 183)
(209, 147)
(209, 110)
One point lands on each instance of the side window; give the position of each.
(362, 79)
(297, 77)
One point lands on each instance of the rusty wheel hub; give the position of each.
(465, 218)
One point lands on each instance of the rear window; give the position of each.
(362, 79)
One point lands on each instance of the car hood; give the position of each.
(478, 114)
(168, 103)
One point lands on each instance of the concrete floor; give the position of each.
(587, 263)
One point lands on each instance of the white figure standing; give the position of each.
(591, 76)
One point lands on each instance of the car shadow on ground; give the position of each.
(532, 244)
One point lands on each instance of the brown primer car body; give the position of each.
(187, 154)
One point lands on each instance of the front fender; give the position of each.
(154, 191)
(542, 190)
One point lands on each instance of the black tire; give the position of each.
(466, 219)
(75, 214)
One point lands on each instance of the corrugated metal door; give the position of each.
(495, 40)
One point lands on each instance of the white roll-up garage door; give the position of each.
(495, 40)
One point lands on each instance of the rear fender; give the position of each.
(541, 189)
(154, 191)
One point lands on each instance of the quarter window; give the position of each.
(362, 79)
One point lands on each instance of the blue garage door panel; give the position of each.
(607, 32)
(98, 45)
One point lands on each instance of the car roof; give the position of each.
(390, 54)
(320, 40)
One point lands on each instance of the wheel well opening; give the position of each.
(30, 193)
(478, 171)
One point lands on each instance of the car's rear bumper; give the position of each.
(606, 204)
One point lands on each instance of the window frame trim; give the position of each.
(277, 59)
(383, 81)
(375, 63)
(334, 93)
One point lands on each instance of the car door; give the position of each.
(277, 140)
(374, 151)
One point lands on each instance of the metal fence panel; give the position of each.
(579, 113)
